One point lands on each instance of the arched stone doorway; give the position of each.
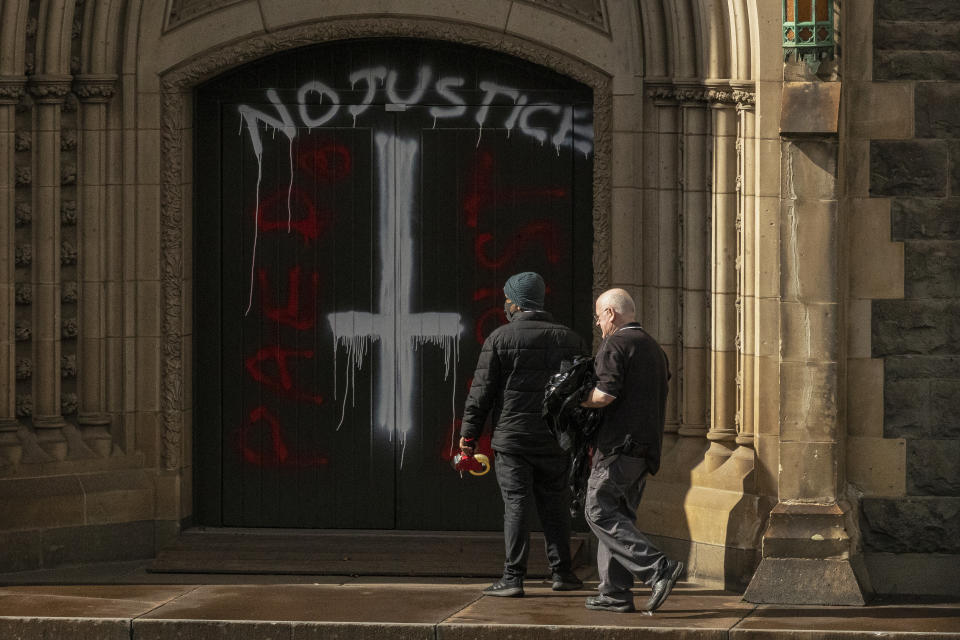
(351, 245)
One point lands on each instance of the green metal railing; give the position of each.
(808, 30)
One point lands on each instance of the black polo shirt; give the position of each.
(631, 367)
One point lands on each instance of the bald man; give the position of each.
(632, 374)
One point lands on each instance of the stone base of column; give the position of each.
(49, 432)
(808, 557)
(11, 451)
(721, 448)
(95, 431)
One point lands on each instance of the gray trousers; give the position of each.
(525, 481)
(624, 553)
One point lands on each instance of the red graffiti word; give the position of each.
(283, 385)
(280, 452)
(543, 231)
(330, 162)
(482, 194)
(274, 214)
(300, 317)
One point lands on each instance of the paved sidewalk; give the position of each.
(123, 601)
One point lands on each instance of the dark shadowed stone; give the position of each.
(933, 467)
(945, 409)
(922, 327)
(900, 368)
(906, 409)
(936, 110)
(911, 525)
(908, 167)
(925, 219)
(917, 36)
(98, 543)
(953, 147)
(916, 65)
(918, 10)
(19, 551)
(932, 269)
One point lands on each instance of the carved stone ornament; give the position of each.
(720, 96)
(95, 88)
(22, 332)
(23, 214)
(24, 141)
(68, 213)
(23, 293)
(69, 328)
(11, 89)
(177, 87)
(589, 12)
(23, 176)
(49, 89)
(68, 253)
(23, 368)
(68, 139)
(24, 405)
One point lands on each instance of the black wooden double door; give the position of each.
(359, 206)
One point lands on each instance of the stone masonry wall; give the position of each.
(918, 337)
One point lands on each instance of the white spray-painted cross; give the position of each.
(395, 328)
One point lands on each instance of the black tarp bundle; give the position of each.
(573, 426)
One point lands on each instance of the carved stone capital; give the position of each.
(95, 88)
(744, 99)
(722, 97)
(11, 89)
(662, 93)
(49, 89)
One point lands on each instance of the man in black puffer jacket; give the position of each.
(515, 364)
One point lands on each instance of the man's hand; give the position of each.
(468, 447)
(597, 399)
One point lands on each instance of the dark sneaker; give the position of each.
(664, 585)
(606, 603)
(505, 589)
(567, 581)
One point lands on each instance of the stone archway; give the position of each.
(175, 148)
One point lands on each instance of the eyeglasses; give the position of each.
(596, 317)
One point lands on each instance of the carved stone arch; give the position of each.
(177, 84)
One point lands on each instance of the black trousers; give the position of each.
(527, 481)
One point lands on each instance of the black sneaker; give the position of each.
(566, 581)
(606, 603)
(664, 585)
(505, 589)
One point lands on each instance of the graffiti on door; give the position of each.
(395, 331)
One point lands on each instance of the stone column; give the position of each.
(743, 455)
(49, 93)
(11, 90)
(693, 379)
(723, 296)
(810, 549)
(94, 93)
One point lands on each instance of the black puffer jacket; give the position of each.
(515, 364)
